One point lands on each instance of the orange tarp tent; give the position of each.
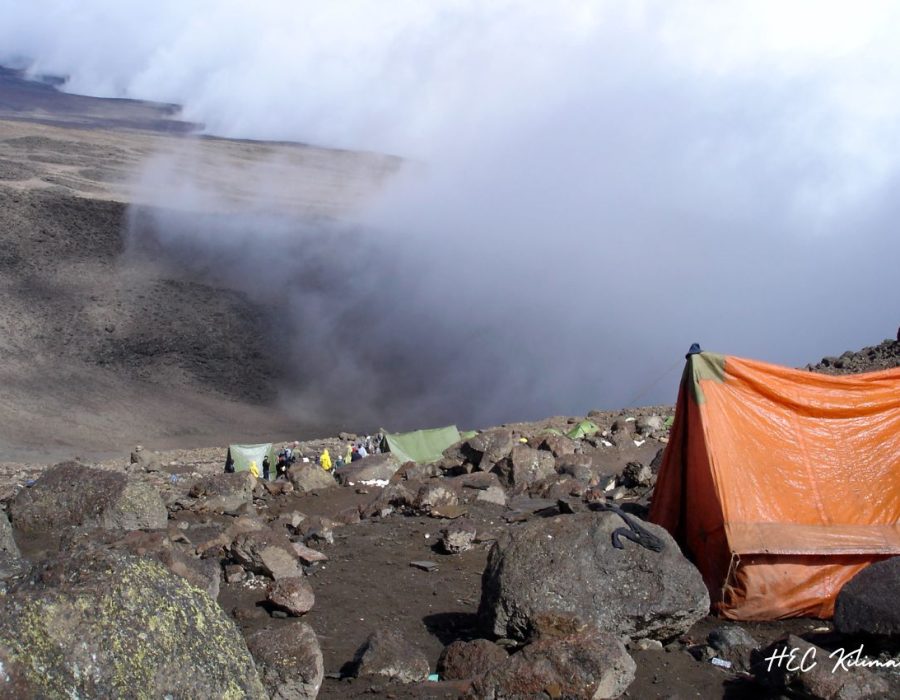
(781, 484)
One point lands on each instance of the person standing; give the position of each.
(266, 466)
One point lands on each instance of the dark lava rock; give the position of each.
(568, 564)
(868, 602)
(463, 660)
(524, 466)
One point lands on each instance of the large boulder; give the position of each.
(310, 477)
(867, 603)
(373, 468)
(104, 624)
(71, 494)
(633, 591)
(223, 493)
(525, 465)
(388, 653)
(484, 450)
(585, 663)
(289, 660)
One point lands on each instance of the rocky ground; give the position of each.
(345, 588)
(885, 355)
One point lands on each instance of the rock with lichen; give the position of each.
(105, 624)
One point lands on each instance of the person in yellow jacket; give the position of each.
(325, 460)
(254, 469)
(349, 456)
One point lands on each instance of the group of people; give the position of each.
(371, 444)
(284, 460)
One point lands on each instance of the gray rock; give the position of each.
(292, 594)
(387, 653)
(587, 663)
(289, 660)
(71, 494)
(458, 537)
(525, 465)
(463, 660)
(104, 624)
(492, 494)
(820, 678)
(374, 467)
(223, 493)
(631, 591)
(868, 602)
(267, 552)
(310, 477)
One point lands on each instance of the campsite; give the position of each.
(402, 543)
(342, 352)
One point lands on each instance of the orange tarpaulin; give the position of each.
(781, 484)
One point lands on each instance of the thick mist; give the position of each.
(588, 191)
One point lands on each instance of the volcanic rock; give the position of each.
(487, 448)
(267, 552)
(387, 653)
(310, 477)
(458, 537)
(380, 467)
(99, 623)
(734, 644)
(71, 494)
(525, 465)
(293, 594)
(587, 663)
(289, 660)
(223, 493)
(463, 660)
(868, 602)
(814, 675)
(631, 591)
(11, 561)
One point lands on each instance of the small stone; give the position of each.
(424, 565)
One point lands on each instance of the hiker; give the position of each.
(325, 460)
(266, 466)
(355, 456)
(348, 456)
(288, 454)
(229, 464)
(362, 450)
(281, 469)
(254, 470)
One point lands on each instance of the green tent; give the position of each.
(244, 454)
(585, 428)
(421, 446)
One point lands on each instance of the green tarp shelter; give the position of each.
(467, 434)
(244, 454)
(585, 428)
(421, 446)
